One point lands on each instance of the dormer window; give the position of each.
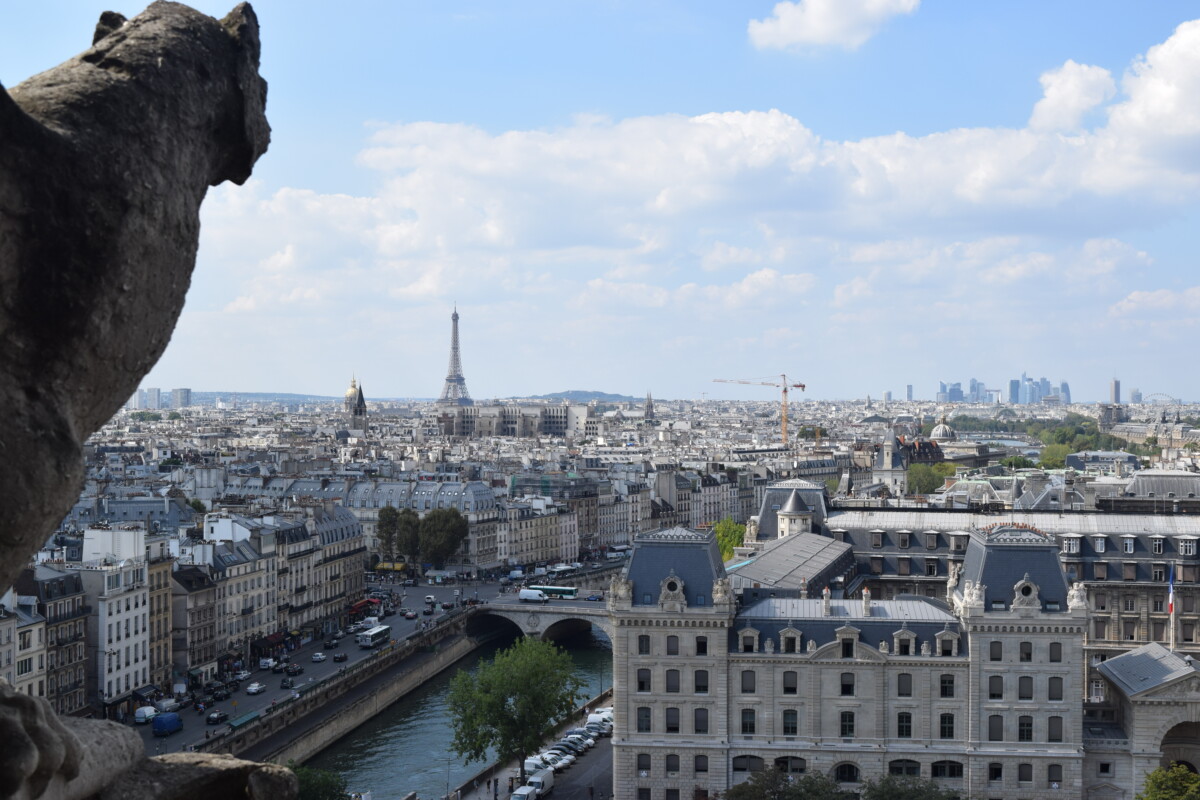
(1070, 545)
(904, 642)
(1098, 544)
(1156, 545)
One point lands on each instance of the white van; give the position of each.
(533, 596)
(524, 793)
(144, 714)
(543, 781)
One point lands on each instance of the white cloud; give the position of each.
(1069, 92)
(1157, 302)
(815, 23)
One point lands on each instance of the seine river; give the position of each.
(407, 747)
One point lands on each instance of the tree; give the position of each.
(1017, 462)
(729, 535)
(387, 528)
(198, 504)
(771, 784)
(944, 469)
(174, 415)
(442, 531)
(1054, 456)
(922, 479)
(408, 535)
(512, 703)
(1176, 783)
(905, 787)
(319, 784)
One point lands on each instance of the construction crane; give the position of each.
(781, 384)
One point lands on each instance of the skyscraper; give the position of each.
(1114, 392)
(181, 398)
(455, 393)
(153, 399)
(1064, 391)
(1014, 391)
(908, 392)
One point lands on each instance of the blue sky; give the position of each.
(632, 196)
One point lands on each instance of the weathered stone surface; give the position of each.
(203, 776)
(104, 161)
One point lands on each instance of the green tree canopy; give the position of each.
(729, 535)
(513, 702)
(1176, 783)
(922, 479)
(905, 787)
(1017, 462)
(319, 784)
(198, 505)
(442, 531)
(387, 529)
(770, 784)
(1054, 456)
(408, 535)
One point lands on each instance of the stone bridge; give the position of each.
(551, 620)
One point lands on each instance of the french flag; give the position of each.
(1171, 593)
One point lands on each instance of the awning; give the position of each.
(275, 638)
(145, 693)
(196, 673)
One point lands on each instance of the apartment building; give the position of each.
(62, 603)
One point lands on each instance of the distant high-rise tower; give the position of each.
(1064, 391)
(356, 406)
(455, 393)
(649, 405)
(908, 392)
(181, 398)
(1114, 392)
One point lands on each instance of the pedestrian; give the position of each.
(207, 734)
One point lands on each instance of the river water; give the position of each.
(406, 748)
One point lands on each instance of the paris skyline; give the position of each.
(634, 196)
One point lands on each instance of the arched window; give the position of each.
(1055, 689)
(672, 680)
(904, 685)
(995, 687)
(643, 762)
(672, 763)
(700, 720)
(1056, 651)
(845, 773)
(672, 645)
(700, 764)
(700, 681)
(1027, 651)
(995, 728)
(672, 720)
(1025, 688)
(643, 680)
(701, 645)
(1054, 774)
(1024, 729)
(996, 651)
(1054, 729)
(643, 719)
(904, 766)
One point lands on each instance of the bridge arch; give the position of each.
(544, 621)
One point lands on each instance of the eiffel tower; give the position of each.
(455, 393)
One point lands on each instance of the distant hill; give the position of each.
(583, 396)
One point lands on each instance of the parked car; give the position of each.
(427, 611)
(447, 606)
(279, 667)
(594, 597)
(408, 613)
(287, 683)
(338, 634)
(340, 657)
(220, 694)
(241, 675)
(255, 688)
(217, 717)
(331, 644)
(318, 657)
(294, 669)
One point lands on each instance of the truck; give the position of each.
(533, 596)
(167, 723)
(543, 781)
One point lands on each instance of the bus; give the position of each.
(374, 637)
(560, 592)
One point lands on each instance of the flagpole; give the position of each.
(1171, 610)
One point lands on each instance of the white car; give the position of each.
(255, 688)
(318, 657)
(241, 675)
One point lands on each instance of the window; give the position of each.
(996, 687)
(847, 648)
(1071, 545)
(1100, 571)
(789, 682)
(1025, 773)
(904, 685)
(700, 720)
(946, 726)
(672, 720)
(946, 769)
(748, 681)
(671, 794)
(643, 680)
(748, 721)
(643, 793)
(845, 773)
(793, 765)
(672, 645)
(747, 644)
(747, 764)
(672, 763)
(700, 765)
(1128, 547)
(931, 567)
(1099, 543)
(1129, 604)
(847, 724)
(1024, 729)
(904, 566)
(995, 771)
(947, 686)
(672, 680)
(700, 680)
(1054, 730)
(1187, 547)
(643, 762)
(643, 719)
(1025, 688)
(995, 728)
(1156, 546)
(1054, 690)
(1026, 652)
(701, 645)
(931, 541)
(996, 651)
(1054, 775)
(904, 766)
(1158, 574)
(904, 725)
(791, 722)
(789, 644)
(1105, 768)
(877, 539)
(643, 645)
(1055, 652)
(847, 684)
(904, 541)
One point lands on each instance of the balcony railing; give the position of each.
(301, 589)
(247, 610)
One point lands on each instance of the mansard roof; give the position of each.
(1004, 554)
(692, 556)
(1145, 668)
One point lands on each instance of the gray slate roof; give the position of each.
(784, 563)
(776, 497)
(694, 557)
(1002, 557)
(1144, 668)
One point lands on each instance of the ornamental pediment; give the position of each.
(1185, 690)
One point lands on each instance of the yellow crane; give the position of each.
(781, 384)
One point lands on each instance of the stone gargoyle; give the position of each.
(104, 161)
